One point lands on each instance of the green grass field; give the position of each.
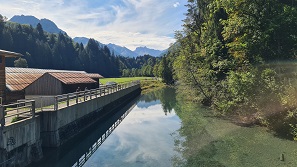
(123, 80)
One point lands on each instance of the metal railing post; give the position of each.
(76, 93)
(2, 116)
(84, 95)
(56, 103)
(18, 105)
(33, 108)
(67, 100)
(41, 103)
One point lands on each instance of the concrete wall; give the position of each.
(41, 101)
(53, 121)
(72, 113)
(20, 143)
(19, 133)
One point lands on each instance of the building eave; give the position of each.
(9, 54)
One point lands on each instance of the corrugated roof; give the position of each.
(18, 81)
(35, 70)
(94, 75)
(19, 78)
(72, 78)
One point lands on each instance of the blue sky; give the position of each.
(129, 23)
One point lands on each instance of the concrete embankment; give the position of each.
(21, 142)
(59, 126)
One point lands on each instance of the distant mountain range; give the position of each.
(123, 51)
(51, 27)
(145, 50)
(119, 50)
(46, 24)
(85, 41)
(139, 51)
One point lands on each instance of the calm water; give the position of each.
(163, 130)
(144, 138)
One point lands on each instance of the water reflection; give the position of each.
(166, 97)
(144, 138)
(73, 151)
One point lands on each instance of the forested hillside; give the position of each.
(59, 51)
(238, 56)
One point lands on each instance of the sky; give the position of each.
(129, 23)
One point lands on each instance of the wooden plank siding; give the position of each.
(69, 88)
(2, 77)
(45, 85)
(13, 96)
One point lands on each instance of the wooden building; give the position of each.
(56, 83)
(53, 82)
(95, 76)
(17, 79)
(16, 84)
(4, 54)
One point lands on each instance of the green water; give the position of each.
(209, 141)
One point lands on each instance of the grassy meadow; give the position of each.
(124, 79)
(147, 83)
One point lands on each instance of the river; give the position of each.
(160, 129)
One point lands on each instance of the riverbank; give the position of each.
(150, 85)
(207, 139)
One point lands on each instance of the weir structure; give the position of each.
(29, 125)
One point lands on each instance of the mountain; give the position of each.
(139, 51)
(46, 24)
(118, 50)
(145, 50)
(164, 52)
(85, 41)
(123, 51)
(82, 40)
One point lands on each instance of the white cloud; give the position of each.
(132, 140)
(176, 4)
(129, 23)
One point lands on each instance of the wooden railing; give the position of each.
(66, 100)
(27, 108)
(13, 112)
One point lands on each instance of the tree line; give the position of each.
(58, 51)
(237, 56)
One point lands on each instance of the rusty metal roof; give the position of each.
(35, 70)
(94, 75)
(9, 54)
(72, 78)
(18, 81)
